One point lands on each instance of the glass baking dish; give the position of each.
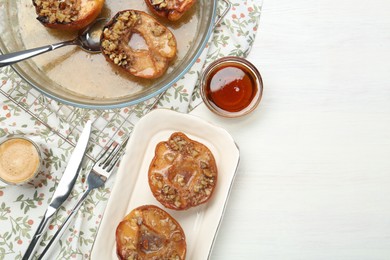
(74, 77)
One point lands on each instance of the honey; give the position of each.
(231, 87)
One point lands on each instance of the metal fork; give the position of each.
(97, 177)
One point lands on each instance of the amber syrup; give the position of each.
(231, 87)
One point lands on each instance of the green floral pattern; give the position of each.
(22, 207)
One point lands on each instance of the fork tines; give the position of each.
(110, 156)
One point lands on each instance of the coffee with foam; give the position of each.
(19, 160)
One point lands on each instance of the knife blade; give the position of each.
(63, 189)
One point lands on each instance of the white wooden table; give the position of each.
(314, 178)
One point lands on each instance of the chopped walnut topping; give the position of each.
(169, 157)
(189, 179)
(149, 62)
(157, 2)
(52, 11)
(180, 180)
(208, 173)
(177, 203)
(203, 165)
(194, 153)
(149, 232)
(112, 37)
(171, 9)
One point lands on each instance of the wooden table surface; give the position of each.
(314, 177)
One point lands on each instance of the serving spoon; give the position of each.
(88, 40)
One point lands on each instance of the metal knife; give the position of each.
(63, 189)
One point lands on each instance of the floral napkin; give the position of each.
(21, 208)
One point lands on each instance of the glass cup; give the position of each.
(20, 160)
(231, 87)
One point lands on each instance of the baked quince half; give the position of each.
(173, 10)
(67, 14)
(183, 172)
(149, 232)
(152, 60)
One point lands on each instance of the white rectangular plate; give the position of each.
(131, 188)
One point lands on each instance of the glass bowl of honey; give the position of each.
(231, 87)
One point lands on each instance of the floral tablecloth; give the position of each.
(22, 207)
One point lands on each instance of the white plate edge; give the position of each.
(170, 116)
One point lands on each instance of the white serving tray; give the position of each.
(131, 188)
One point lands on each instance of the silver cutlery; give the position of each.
(97, 177)
(63, 189)
(86, 40)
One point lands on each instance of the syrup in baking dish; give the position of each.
(86, 75)
(231, 87)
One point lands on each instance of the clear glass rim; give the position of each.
(231, 60)
(120, 103)
(39, 157)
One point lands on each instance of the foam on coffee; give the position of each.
(19, 160)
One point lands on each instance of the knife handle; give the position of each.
(29, 254)
(64, 225)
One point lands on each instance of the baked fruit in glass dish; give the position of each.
(172, 10)
(67, 14)
(183, 172)
(150, 61)
(149, 232)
